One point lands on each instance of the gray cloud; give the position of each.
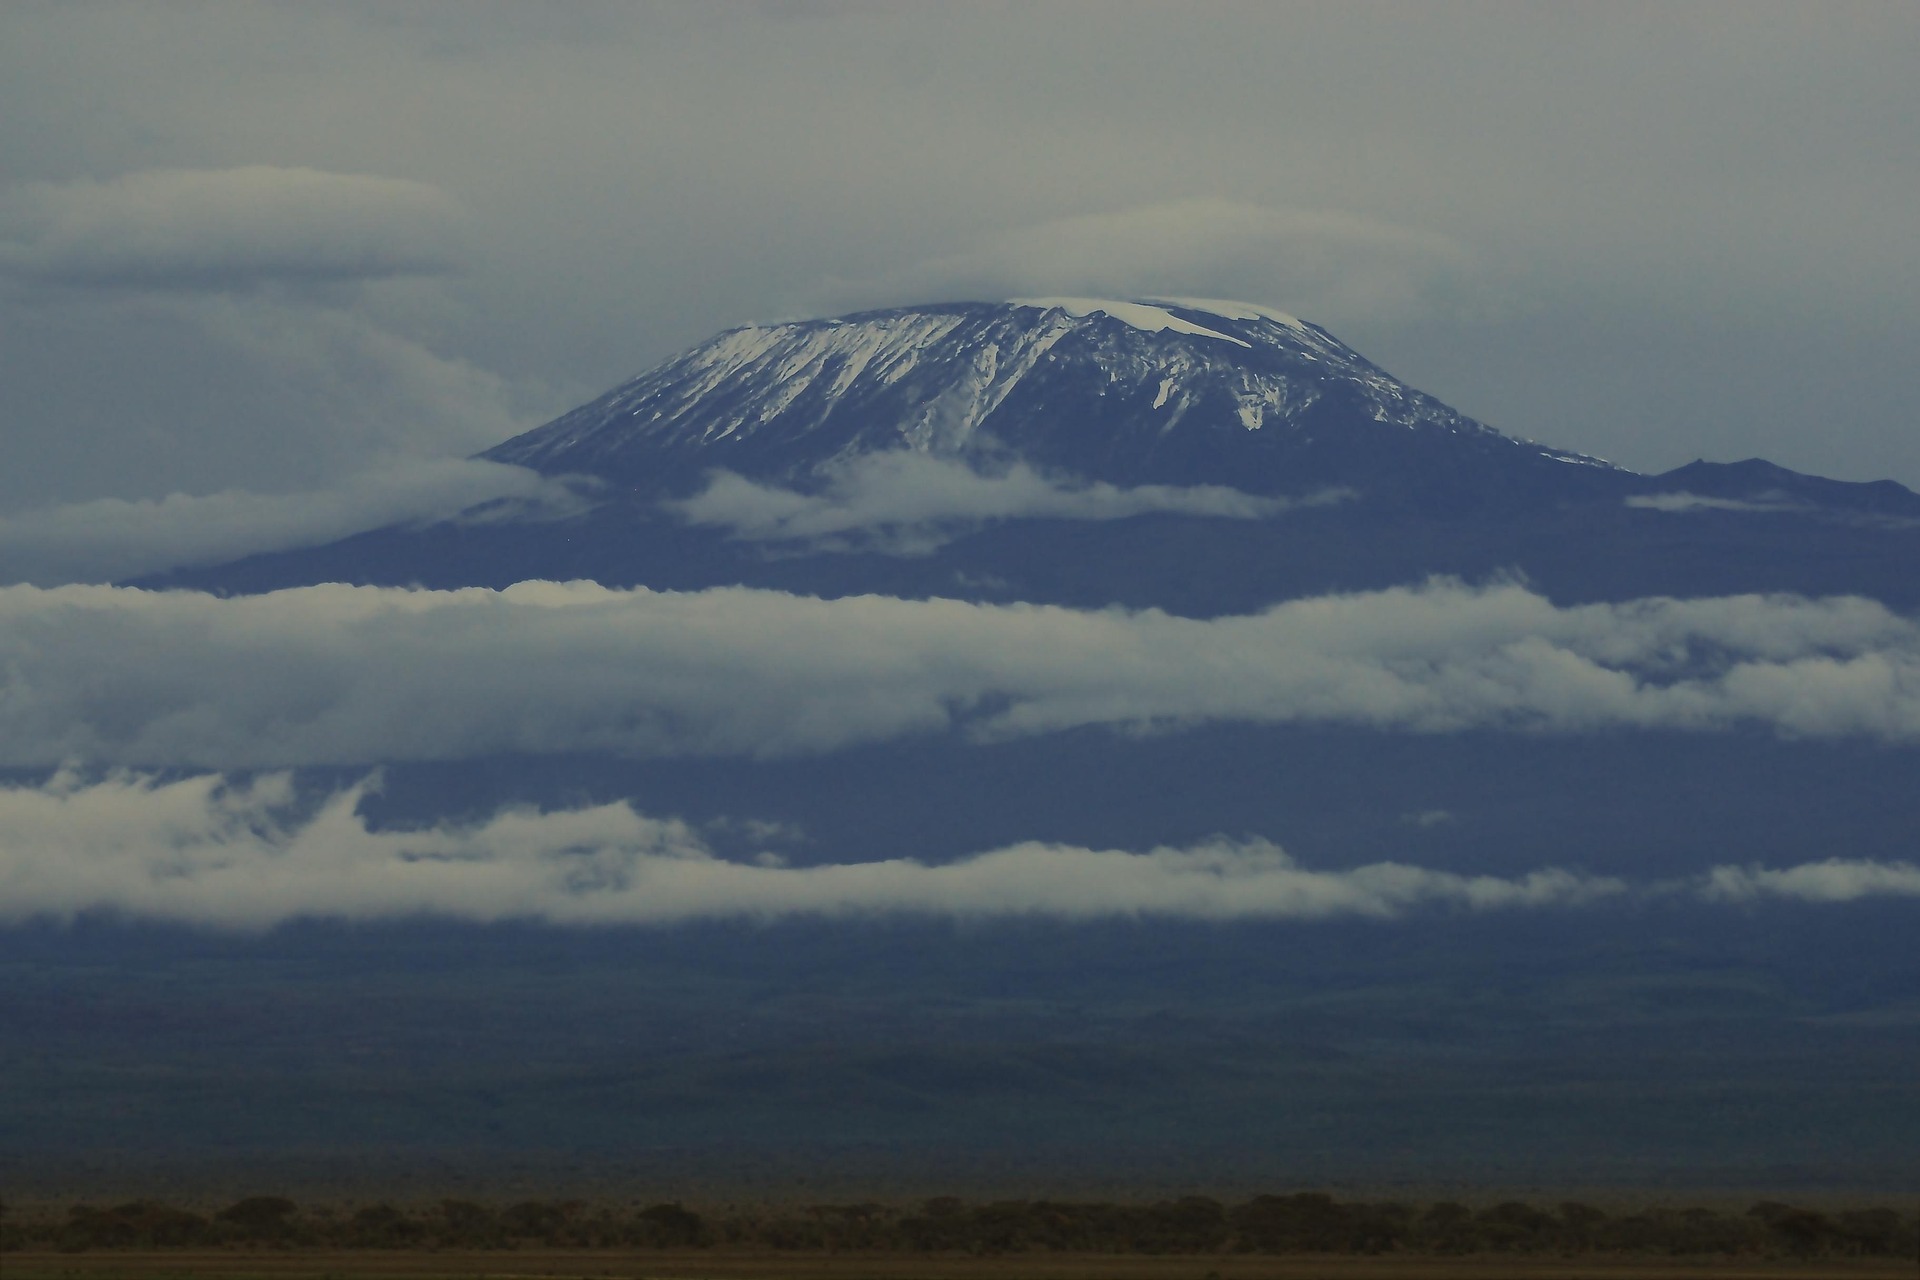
(203, 392)
(111, 538)
(197, 330)
(337, 674)
(206, 851)
(1335, 267)
(908, 503)
(197, 229)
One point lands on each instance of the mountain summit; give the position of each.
(1169, 391)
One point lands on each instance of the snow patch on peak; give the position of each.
(1141, 315)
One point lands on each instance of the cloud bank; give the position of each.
(1331, 266)
(907, 503)
(206, 850)
(202, 850)
(346, 675)
(111, 538)
(219, 229)
(1832, 880)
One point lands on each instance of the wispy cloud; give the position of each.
(338, 674)
(111, 538)
(216, 229)
(1682, 501)
(1429, 818)
(907, 503)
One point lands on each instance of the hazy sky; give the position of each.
(277, 247)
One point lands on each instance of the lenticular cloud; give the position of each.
(361, 675)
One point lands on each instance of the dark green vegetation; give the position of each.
(1305, 1222)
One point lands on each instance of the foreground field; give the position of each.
(727, 1265)
(1046, 1235)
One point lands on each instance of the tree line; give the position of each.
(1307, 1222)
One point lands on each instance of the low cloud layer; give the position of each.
(907, 503)
(1832, 880)
(338, 674)
(205, 850)
(1683, 501)
(111, 539)
(1329, 266)
(217, 229)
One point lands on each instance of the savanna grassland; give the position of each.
(731, 1265)
(1192, 1238)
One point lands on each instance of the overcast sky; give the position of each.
(276, 246)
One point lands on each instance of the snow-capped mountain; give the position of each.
(1192, 455)
(1161, 391)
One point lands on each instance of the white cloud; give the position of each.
(111, 538)
(1832, 880)
(908, 503)
(216, 229)
(337, 674)
(1683, 501)
(1329, 266)
(207, 851)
